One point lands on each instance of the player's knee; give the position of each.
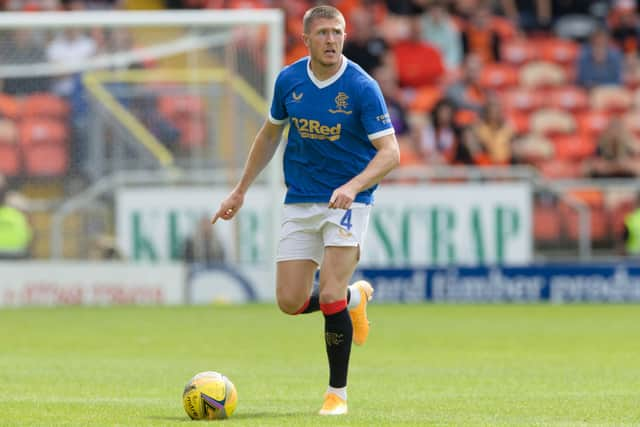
(328, 296)
(289, 305)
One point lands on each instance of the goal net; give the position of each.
(165, 93)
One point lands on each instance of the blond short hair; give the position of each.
(320, 12)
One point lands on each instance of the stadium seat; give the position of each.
(573, 147)
(45, 160)
(519, 121)
(571, 98)
(552, 121)
(9, 106)
(498, 76)
(559, 51)
(592, 122)
(425, 98)
(533, 149)
(522, 99)
(193, 132)
(611, 98)
(599, 223)
(560, 169)
(539, 74)
(518, 51)
(546, 223)
(181, 105)
(631, 119)
(42, 131)
(44, 105)
(9, 159)
(617, 214)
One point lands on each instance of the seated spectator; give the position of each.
(479, 36)
(624, 27)
(528, 15)
(467, 93)
(599, 63)
(404, 7)
(470, 151)
(439, 30)
(494, 133)
(439, 138)
(363, 46)
(417, 63)
(386, 77)
(615, 153)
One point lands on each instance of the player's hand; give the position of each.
(229, 207)
(342, 197)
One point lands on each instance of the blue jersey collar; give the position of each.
(321, 84)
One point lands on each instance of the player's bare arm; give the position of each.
(387, 158)
(262, 151)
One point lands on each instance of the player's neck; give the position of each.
(324, 72)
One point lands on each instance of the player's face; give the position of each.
(325, 41)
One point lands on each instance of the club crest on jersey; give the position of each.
(296, 97)
(341, 104)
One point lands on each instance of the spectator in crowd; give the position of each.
(386, 77)
(528, 15)
(417, 63)
(363, 46)
(467, 92)
(624, 27)
(23, 48)
(494, 133)
(411, 8)
(69, 47)
(15, 230)
(470, 151)
(615, 153)
(439, 138)
(480, 37)
(439, 30)
(8, 131)
(600, 62)
(204, 246)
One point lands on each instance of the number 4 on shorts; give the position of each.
(346, 220)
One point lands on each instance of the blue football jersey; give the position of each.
(332, 124)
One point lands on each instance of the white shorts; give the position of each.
(308, 227)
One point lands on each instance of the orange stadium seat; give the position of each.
(42, 131)
(559, 51)
(46, 160)
(522, 99)
(9, 106)
(546, 223)
(617, 214)
(560, 169)
(592, 122)
(573, 147)
(552, 121)
(425, 98)
(181, 105)
(44, 105)
(542, 74)
(518, 51)
(519, 121)
(611, 98)
(571, 98)
(9, 159)
(599, 223)
(498, 76)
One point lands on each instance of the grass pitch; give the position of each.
(423, 365)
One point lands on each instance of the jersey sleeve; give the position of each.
(278, 113)
(374, 116)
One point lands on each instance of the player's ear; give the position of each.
(305, 39)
